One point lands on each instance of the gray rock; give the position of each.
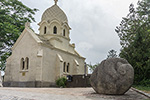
(113, 76)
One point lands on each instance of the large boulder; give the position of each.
(113, 76)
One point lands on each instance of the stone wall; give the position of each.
(79, 81)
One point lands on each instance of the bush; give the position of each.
(61, 82)
(145, 83)
(143, 88)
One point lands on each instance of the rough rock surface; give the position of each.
(113, 76)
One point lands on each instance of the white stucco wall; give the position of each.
(53, 67)
(26, 47)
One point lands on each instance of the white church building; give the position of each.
(38, 60)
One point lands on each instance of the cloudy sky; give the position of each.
(93, 23)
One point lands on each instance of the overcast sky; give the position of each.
(93, 23)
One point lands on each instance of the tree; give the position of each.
(134, 34)
(92, 67)
(13, 15)
(112, 54)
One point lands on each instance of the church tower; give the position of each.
(54, 24)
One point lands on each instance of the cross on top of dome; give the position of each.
(55, 2)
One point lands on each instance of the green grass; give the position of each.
(143, 88)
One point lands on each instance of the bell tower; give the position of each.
(54, 23)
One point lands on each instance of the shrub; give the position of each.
(145, 83)
(61, 82)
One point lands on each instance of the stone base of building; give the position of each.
(29, 84)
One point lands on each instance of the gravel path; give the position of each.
(63, 94)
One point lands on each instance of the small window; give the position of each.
(64, 69)
(45, 29)
(27, 63)
(68, 68)
(64, 32)
(55, 30)
(22, 64)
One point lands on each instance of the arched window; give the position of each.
(22, 64)
(64, 32)
(68, 68)
(27, 63)
(64, 69)
(45, 29)
(55, 30)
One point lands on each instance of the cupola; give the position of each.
(54, 22)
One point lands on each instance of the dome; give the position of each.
(54, 12)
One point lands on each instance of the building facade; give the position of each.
(38, 60)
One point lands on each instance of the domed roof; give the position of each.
(54, 12)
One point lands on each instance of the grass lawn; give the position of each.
(142, 88)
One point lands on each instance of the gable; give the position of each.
(29, 32)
